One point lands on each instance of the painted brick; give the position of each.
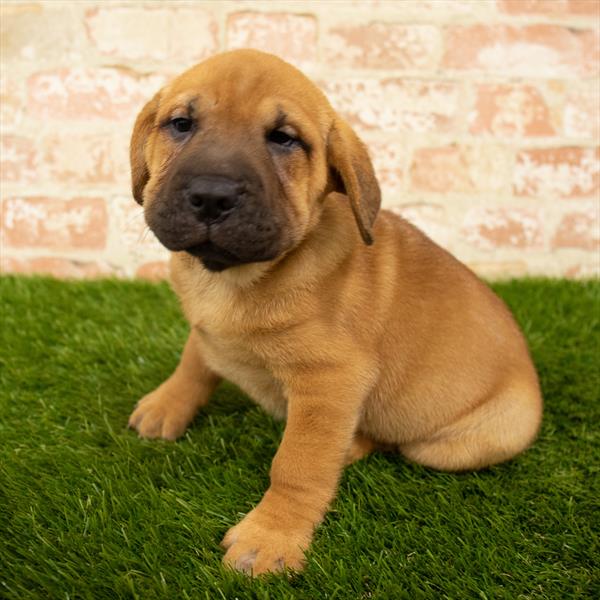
(462, 169)
(579, 229)
(396, 105)
(186, 45)
(584, 7)
(431, 219)
(502, 227)
(581, 117)
(78, 158)
(18, 159)
(535, 7)
(11, 100)
(87, 93)
(534, 50)
(62, 268)
(37, 33)
(510, 111)
(153, 271)
(583, 270)
(134, 236)
(74, 77)
(496, 270)
(550, 7)
(557, 172)
(165, 34)
(77, 224)
(388, 159)
(292, 37)
(383, 46)
(426, 10)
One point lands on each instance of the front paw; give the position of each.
(161, 414)
(257, 545)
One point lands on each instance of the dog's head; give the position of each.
(232, 160)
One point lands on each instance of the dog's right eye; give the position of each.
(180, 125)
(281, 138)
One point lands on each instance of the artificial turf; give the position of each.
(88, 510)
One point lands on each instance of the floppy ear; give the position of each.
(354, 176)
(141, 130)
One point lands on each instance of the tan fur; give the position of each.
(394, 345)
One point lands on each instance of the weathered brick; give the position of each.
(128, 32)
(581, 117)
(427, 10)
(587, 270)
(194, 33)
(534, 50)
(431, 219)
(74, 158)
(502, 227)
(463, 169)
(496, 270)
(584, 7)
(510, 111)
(128, 223)
(557, 172)
(292, 37)
(394, 115)
(86, 93)
(34, 222)
(18, 159)
(550, 7)
(396, 105)
(167, 33)
(578, 229)
(39, 32)
(12, 103)
(536, 7)
(154, 271)
(388, 160)
(384, 46)
(62, 268)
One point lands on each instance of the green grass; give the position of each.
(88, 510)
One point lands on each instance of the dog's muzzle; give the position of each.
(221, 220)
(212, 198)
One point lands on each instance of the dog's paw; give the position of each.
(161, 415)
(256, 547)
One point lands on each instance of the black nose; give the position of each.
(213, 198)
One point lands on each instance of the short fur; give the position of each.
(394, 345)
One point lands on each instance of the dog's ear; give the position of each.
(137, 155)
(351, 173)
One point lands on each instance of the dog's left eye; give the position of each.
(181, 125)
(281, 138)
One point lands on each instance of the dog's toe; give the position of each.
(256, 548)
(156, 416)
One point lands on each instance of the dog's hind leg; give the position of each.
(495, 431)
(362, 446)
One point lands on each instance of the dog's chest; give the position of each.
(235, 362)
(229, 332)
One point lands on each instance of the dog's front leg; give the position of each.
(169, 409)
(322, 417)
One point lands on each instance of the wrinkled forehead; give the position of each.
(250, 91)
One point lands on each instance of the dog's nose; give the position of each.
(213, 198)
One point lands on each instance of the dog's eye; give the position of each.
(281, 138)
(181, 125)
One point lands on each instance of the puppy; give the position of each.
(360, 332)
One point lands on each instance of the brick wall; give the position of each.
(482, 117)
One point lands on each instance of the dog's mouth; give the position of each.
(213, 257)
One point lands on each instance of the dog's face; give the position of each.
(232, 160)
